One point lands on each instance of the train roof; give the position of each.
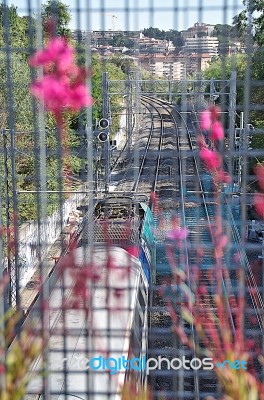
(112, 304)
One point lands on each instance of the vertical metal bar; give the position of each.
(42, 217)
(3, 297)
(88, 257)
(106, 143)
(170, 84)
(7, 210)
(128, 111)
(232, 119)
(11, 121)
(247, 103)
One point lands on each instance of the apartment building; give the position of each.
(199, 29)
(201, 45)
(151, 45)
(176, 67)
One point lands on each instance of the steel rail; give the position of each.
(166, 106)
(143, 162)
(204, 203)
(207, 214)
(227, 277)
(136, 185)
(244, 261)
(129, 166)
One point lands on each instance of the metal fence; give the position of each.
(131, 194)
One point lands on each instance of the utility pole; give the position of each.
(213, 94)
(11, 215)
(170, 84)
(128, 112)
(241, 148)
(106, 142)
(232, 119)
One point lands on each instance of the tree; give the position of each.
(256, 8)
(114, 69)
(58, 11)
(8, 15)
(215, 68)
(219, 69)
(15, 30)
(171, 35)
(22, 102)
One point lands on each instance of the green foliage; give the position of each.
(221, 69)
(14, 30)
(125, 64)
(171, 34)
(225, 34)
(257, 96)
(14, 84)
(255, 7)
(240, 25)
(120, 40)
(114, 70)
(224, 31)
(56, 9)
(15, 79)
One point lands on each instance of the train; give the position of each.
(114, 331)
(128, 223)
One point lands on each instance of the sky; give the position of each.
(165, 14)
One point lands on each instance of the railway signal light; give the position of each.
(103, 136)
(103, 123)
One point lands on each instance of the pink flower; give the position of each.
(57, 51)
(205, 120)
(223, 176)
(211, 159)
(217, 131)
(221, 241)
(78, 98)
(215, 112)
(58, 94)
(259, 171)
(177, 234)
(62, 86)
(201, 141)
(202, 290)
(258, 202)
(53, 91)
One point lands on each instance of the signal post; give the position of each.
(104, 133)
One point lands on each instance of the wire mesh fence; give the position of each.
(132, 206)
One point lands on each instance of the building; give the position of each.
(151, 45)
(162, 66)
(199, 29)
(102, 37)
(176, 67)
(201, 45)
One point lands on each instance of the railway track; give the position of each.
(197, 212)
(147, 166)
